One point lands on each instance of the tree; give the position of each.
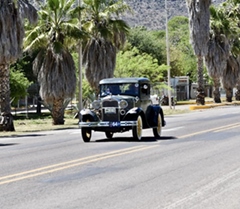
(222, 59)
(12, 15)
(18, 85)
(230, 9)
(149, 42)
(132, 63)
(183, 60)
(54, 65)
(231, 74)
(218, 49)
(108, 33)
(199, 16)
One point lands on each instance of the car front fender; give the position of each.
(152, 115)
(133, 113)
(135, 110)
(87, 114)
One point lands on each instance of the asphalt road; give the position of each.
(196, 164)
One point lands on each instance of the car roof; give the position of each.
(123, 80)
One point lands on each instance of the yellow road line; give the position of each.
(94, 158)
(69, 164)
(212, 130)
(227, 128)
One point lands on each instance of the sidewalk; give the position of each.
(193, 106)
(212, 105)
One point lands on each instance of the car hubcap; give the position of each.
(139, 127)
(159, 127)
(88, 133)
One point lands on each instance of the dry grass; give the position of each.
(39, 123)
(36, 123)
(175, 111)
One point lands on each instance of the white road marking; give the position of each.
(72, 132)
(173, 129)
(211, 185)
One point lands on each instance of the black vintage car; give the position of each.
(124, 104)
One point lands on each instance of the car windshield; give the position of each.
(119, 89)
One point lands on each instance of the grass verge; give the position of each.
(32, 122)
(36, 122)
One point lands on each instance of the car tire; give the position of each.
(137, 130)
(158, 130)
(109, 134)
(86, 134)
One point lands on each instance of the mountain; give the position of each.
(151, 13)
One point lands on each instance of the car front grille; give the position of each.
(110, 111)
(110, 103)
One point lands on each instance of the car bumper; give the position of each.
(107, 124)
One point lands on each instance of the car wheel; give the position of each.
(109, 134)
(158, 130)
(137, 130)
(86, 134)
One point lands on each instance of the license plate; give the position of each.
(110, 110)
(114, 124)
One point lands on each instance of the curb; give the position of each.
(207, 106)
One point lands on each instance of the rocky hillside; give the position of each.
(151, 13)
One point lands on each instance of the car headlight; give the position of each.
(96, 104)
(123, 104)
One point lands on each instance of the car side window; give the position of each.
(145, 88)
(133, 89)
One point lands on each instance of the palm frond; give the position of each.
(57, 75)
(37, 63)
(117, 8)
(99, 58)
(218, 54)
(39, 42)
(231, 74)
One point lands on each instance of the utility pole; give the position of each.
(168, 58)
(80, 105)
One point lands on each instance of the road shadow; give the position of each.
(167, 138)
(23, 135)
(7, 144)
(130, 139)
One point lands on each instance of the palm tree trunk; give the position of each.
(6, 118)
(58, 112)
(39, 105)
(229, 94)
(200, 100)
(237, 93)
(216, 91)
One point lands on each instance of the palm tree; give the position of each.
(231, 10)
(108, 33)
(218, 49)
(222, 59)
(199, 16)
(54, 65)
(230, 76)
(237, 93)
(12, 15)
